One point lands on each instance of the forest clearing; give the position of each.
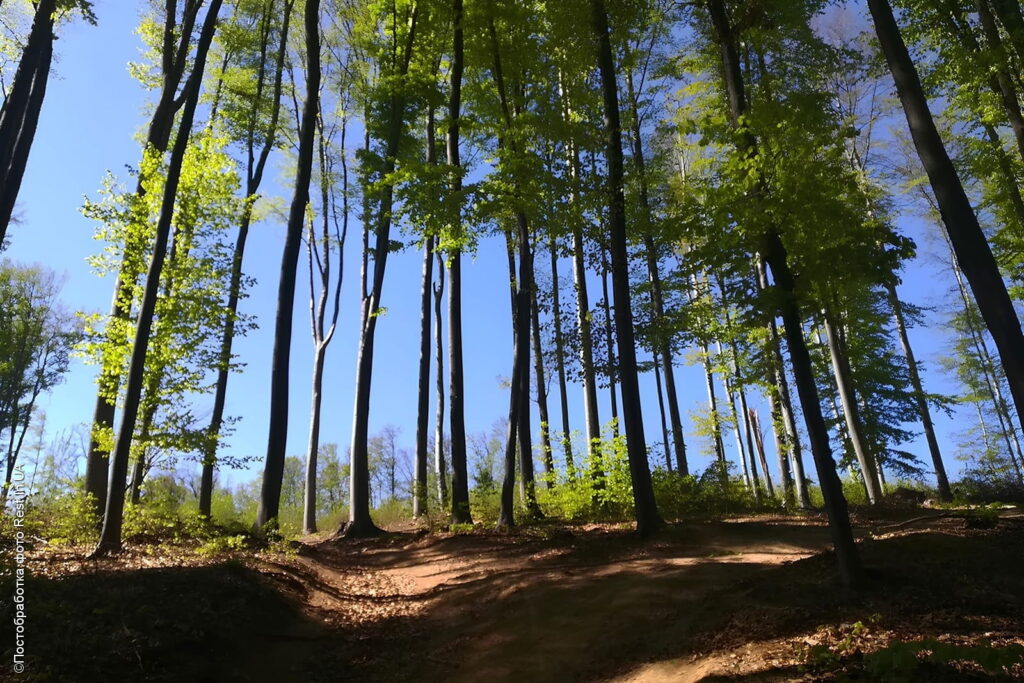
(748, 598)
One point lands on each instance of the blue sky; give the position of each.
(93, 111)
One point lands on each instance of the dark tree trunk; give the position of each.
(586, 340)
(775, 256)
(542, 388)
(158, 136)
(254, 177)
(439, 465)
(563, 395)
(921, 398)
(609, 343)
(969, 243)
(748, 433)
(273, 472)
(456, 395)
(647, 517)
(360, 523)
(663, 350)
(1004, 85)
(419, 498)
(665, 442)
(110, 535)
(20, 113)
(755, 427)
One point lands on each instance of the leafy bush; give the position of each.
(62, 519)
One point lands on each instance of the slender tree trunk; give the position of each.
(439, 465)
(586, 341)
(174, 56)
(748, 432)
(563, 395)
(969, 243)
(851, 414)
(740, 450)
(663, 351)
(755, 427)
(313, 447)
(456, 396)
(110, 535)
(609, 342)
(542, 389)
(273, 472)
(648, 519)
(254, 178)
(776, 257)
(360, 523)
(20, 113)
(419, 499)
(666, 444)
(922, 399)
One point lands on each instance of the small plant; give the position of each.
(220, 545)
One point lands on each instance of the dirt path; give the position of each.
(573, 606)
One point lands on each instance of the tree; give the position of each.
(648, 519)
(251, 115)
(36, 338)
(972, 249)
(19, 115)
(270, 493)
(110, 535)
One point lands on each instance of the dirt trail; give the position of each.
(572, 606)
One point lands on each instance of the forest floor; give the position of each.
(753, 598)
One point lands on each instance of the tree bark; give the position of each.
(647, 517)
(419, 498)
(609, 342)
(254, 178)
(174, 58)
(110, 535)
(563, 395)
(921, 398)
(439, 465)
(273, 472)
(663, 352)
(542, 389)
(965, 234)
(851, 413)
(19, 116)
(360, 523)
(456, 395)
(774, 253)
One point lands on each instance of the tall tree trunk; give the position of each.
(663, 352)
(748, 433)
(439, 465)
(110, 535)
(921, 398)
(774, 253)
(456, 396)
(174, 59)
(563, 395)
(665, 442)
(609, 342)
(312, 448)
(542, 389)
(419, 498)
(360, 523)
(20, 113)
(755, 427)
(254, 177)
(851, 413)
(273, 472)
(647, 517)
(969, 243)
(586, 341)
(1004, 85)
(731, 394)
